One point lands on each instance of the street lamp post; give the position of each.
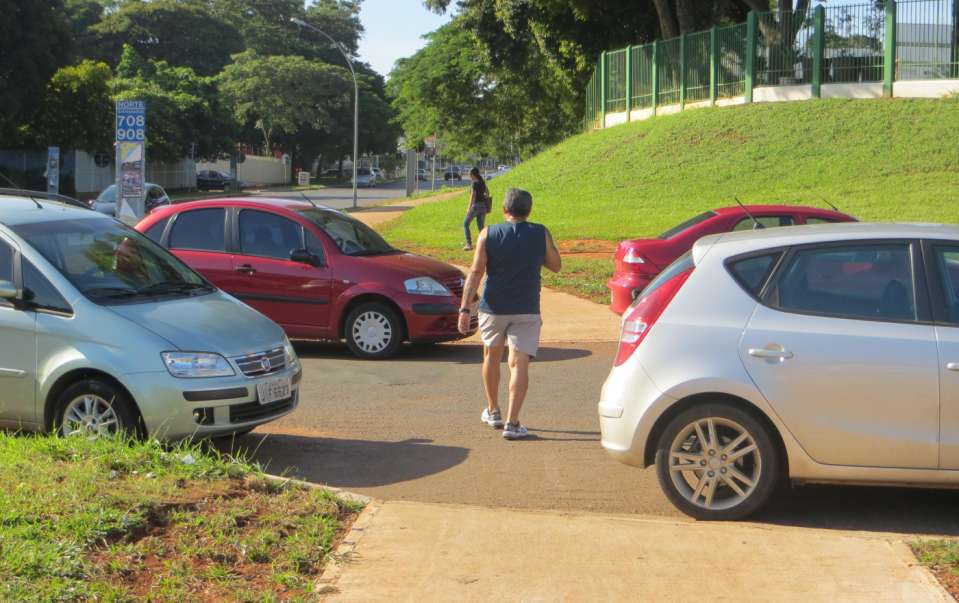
(356, 94)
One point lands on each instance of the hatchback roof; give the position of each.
(744, 241)
(277, 202)
(17, 209)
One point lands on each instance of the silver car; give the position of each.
(812, 353)
(103, 331)
(106, 201)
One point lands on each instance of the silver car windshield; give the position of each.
(110, 263)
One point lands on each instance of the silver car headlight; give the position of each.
(425, 285)
(196, 365)
(291, 360)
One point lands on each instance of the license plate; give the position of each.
(273, 390)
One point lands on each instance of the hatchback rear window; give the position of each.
(682, 263)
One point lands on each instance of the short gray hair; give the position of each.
(518, 203)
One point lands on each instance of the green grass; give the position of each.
(116, 521)
(942, 557)
(879, 160)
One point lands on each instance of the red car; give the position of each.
(317, 272)
(639, 260)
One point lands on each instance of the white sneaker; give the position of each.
(493, 419)
(515, 431)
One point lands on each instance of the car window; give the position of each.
(268, 235)
(855, 281)
(679, 228)
(812, 220)
(947, 261)
(39, 292)
(351, 236)
(752, 272)
(6, 261)
(154, 192)
(199, 229)
(766, 221)
(109, 194)
(314, 246)
(155, 232)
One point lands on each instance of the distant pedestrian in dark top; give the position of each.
(480, 205)
(512, 255)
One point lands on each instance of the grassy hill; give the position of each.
(879, 160)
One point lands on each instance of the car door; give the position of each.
(942, 265)
(198, 237)
(843, 349)
(295, 294)
(18, 352)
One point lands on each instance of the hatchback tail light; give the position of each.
(645, 311)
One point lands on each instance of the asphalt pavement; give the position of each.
(341, 197)
(409, 429)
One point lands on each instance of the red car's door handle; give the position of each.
(245, 269)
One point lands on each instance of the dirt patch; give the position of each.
(587, 246)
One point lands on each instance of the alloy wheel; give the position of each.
(372, 332)
(90, 416)
(715, 463)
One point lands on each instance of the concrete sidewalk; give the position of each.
(401, 551)
(566, 318)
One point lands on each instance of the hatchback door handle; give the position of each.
(953, 366)
(246, 269)
(766, 353)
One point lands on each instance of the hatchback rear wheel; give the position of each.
(717, 462)
(373, 331)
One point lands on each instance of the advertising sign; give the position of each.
(131, 160)
(53, 169)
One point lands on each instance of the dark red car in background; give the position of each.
(638, 261)
(317, 272)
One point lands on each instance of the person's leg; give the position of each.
(492, 357)
(466, 228)
(518, 383)
(480, 220)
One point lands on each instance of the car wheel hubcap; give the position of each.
(372, 332)
(89, 416)
(714, 463)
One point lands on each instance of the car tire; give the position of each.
(373, 331)
(725, 481)
(96, 408)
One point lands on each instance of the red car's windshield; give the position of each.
(352, 237)
(672, 232)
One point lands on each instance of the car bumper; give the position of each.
(622, 287)
(174, 408)
(432, 320)
(629, 405)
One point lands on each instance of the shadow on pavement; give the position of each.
(345, 463)
(903, 510)
(561, 435)
(457, 353)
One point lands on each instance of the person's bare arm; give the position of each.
(473, 280)
(552, 261)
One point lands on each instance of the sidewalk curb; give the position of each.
(345, 494)
(904, 551)
(346, 552)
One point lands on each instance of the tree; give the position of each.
(183, 108)
(282, 94)
(34, 43)
(76, 111)
(181, 32)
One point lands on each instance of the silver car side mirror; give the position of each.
(8, 290)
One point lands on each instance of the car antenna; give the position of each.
(308, 200)
(834, 208)
(756, 223)
(14, 185)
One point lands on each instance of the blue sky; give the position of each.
(393, 30)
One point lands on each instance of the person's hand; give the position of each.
(464, 323)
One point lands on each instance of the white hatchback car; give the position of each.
(812, 353)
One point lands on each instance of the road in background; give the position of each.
(341, 197)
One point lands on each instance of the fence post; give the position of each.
(819, 42)
(655, 75)
(955, 39)
(713, 65)
(602, 87)
(750, 54)
(629, 82)
(889, 44)
(682, 71)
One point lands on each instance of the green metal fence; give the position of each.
(877, 41)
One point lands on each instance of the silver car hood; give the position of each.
(207, 323)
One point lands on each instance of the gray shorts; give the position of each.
(521, 330)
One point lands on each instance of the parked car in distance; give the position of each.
(104, 331)
(452, 174)
(207, 180)
(106, 201)
(421, 174)
(823, 353)
(319, 273)
(365, 178)
(638, 261)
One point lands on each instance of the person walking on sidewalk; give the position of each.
(512, 254)
(480, 205)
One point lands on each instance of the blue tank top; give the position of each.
(514, 256)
